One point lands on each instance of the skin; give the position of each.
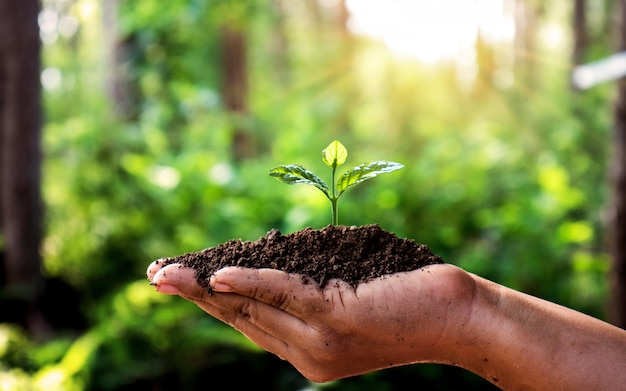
(436, 314)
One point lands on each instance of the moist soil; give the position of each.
(352, 254)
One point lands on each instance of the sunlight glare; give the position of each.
(87, 10)
(433, 31)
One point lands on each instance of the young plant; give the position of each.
(333, 156)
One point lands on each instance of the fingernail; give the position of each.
(221, 287)
(167, 289)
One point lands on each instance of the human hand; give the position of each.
(337, 331)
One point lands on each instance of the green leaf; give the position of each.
(363, 172)
(295, 173)
(335, 154)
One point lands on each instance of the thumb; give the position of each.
(176, 279)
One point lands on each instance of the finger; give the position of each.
(306, 343)
(286, 291)
(175, 279)
(238, 311)
(154, 267)
(267, 326)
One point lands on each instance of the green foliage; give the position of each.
(504, 178)
(334, 155)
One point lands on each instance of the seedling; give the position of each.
(333, 156)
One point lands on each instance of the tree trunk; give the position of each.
(235, 89)
(580, 33)
(344, 17)
(617, 229)
(527, 24)
(122, 90)
(20, 156)
(280, 44)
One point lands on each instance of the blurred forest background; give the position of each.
(161, 119)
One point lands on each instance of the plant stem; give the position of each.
(333, 203)
(333, 198)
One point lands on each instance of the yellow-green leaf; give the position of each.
(335, 154)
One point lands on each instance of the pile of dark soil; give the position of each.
(352, 254)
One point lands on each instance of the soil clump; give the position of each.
(352, 254)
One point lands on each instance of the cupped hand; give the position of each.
(337, 331)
